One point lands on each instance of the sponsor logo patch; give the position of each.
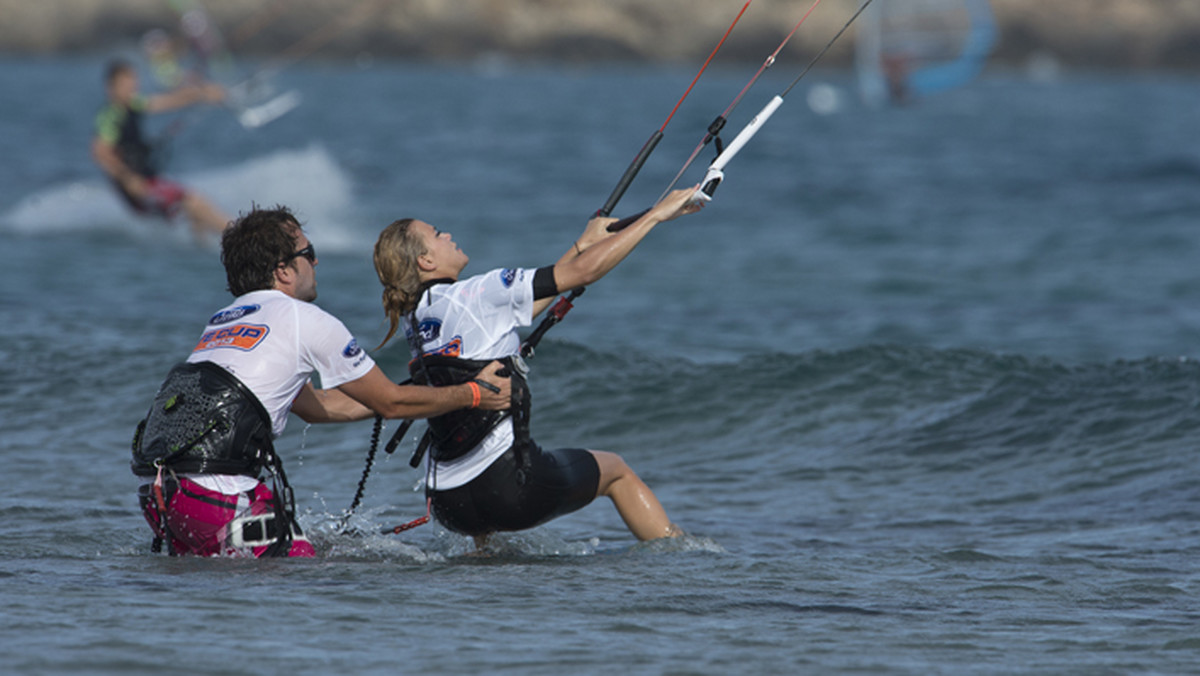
(352, 349)
(238, 336)
(507, 275)
(430, 329)
(233, 314)
(451, 349)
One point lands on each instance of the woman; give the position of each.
(485, 473)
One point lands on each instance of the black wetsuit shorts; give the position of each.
(555, 483)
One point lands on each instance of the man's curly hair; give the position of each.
(255, 244)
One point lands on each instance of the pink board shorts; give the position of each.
(165, 198)
(207, 523)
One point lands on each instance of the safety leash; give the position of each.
(420, 521)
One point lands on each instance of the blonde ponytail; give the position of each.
(396, 253)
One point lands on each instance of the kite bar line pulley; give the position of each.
(636, 165)
(714, 129)
(716, 171)
(564, 304)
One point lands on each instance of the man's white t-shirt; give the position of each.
(273, 343)
(476, 318)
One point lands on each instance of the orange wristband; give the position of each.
(476, 395)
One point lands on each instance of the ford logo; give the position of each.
(430, 329)
(233, 314)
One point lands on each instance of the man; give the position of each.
(207, 438)
(121, 150)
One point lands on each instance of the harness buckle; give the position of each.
(257, 530)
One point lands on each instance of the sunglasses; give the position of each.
(308, 252)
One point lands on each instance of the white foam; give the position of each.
(308, 180)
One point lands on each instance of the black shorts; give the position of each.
(556, 482)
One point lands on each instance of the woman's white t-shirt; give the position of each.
(476, 318)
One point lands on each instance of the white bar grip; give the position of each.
(708, 186)
(715, 174)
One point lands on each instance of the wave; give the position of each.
(1006, 428)
(918, 386)
(1174, 168)
(307, 179)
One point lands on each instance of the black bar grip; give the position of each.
(617, 226)
(634, 167)
(486, 385)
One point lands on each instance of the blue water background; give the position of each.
(921, 382)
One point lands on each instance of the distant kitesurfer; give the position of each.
(896, 69)
(127, 157)
(485, 473)
(207, 439)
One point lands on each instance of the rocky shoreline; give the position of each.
(1077, 33)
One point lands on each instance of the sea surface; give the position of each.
(921, 383)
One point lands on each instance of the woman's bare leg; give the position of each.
(635, 502)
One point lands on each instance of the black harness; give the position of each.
(206, 421)
(452, 435)
(203, 421)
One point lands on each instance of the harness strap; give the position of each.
(422, 447)
(398, 436)
(160, 501)
(285, 506)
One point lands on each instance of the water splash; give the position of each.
(309, 180)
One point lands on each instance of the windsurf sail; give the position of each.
(908, 49)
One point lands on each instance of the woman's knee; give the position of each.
(612, 469)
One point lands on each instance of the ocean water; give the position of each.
(921, 384)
